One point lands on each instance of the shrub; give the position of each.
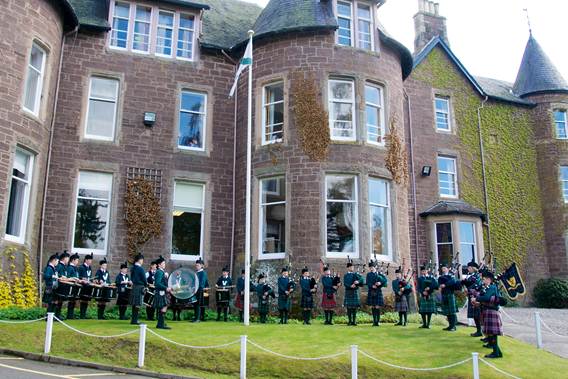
(551, 293)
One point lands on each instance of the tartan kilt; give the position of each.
(375, 298)
(328, 301)
(122, 299)
(307, 302)
(239, 301)
(492, 324)
(351, 299)
(137, 296)
(160, 301)
(263, 305)
(473, 312)
(401, 304)
(284, 303)
(427, 305)
(48, 297)
(449, 306)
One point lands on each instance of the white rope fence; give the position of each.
(298, 358)
(94, 335)
(538, 323)
(498, 369)
(415, 368)
(552, 331)
(192, 346)
(22, 321)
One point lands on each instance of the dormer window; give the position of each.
(146, 29)
(355, 19)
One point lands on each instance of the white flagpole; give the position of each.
(248, 192)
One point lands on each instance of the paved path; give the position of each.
(20, 368)
(519, 323)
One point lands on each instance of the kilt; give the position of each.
(401, 304)
(427, 305)
(473, 312)
(492, 324)
(137, 295)
(263, 305)
(307, 302)
(284, 303)
(328, 301)
(48, 296)
(375, 298)
(351, 299)
(449, 306)
(239, 302)
(160, 300)
(123, 298)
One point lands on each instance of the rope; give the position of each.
(22, 321)
(191, 346)
(94, 335)
(297, 358)
(498, 369)
(415, 368)
(511, 318)
(550, 329)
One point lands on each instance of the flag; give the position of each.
(512, 282)
(245, 62)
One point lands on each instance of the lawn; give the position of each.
(405, 346)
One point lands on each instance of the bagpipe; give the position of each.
(510, 280)
(403, 283)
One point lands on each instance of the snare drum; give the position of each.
(205, 299)
(65, 290)
(89, 291)
(106, 293)
(222, 295)
(149, 298)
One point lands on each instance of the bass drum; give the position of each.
(184, 283)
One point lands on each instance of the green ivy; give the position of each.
(510, 157)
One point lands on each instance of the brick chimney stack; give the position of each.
(428, 24)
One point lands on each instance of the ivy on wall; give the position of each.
(396, 160)
(17, 289)
(510, 157)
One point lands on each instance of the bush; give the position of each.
(551, 293)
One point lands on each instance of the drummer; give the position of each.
(50, 278)
(203, 286)
(223, 287)
(150, 279)
(102, 278)
(139, 283)
(61, 269)
(161, 301)
(123, 285)
(85, 273)
(73, 275)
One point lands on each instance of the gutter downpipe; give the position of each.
(48, 162)
(482, 152)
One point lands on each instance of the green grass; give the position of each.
(406, 346)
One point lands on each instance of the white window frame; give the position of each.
(89, 97)
(381, 110)
(173, 28)
(454, 174)
(193, 31)
(39, 88)
(204, 113)
(79, 250)
(368, 20)
(25, 208)
(389, 255)
(447, 114)
(474, 244)
(355, 253)
(444, 243)
(563, 184)
(185, 257)
(351, 23)
(261, 210)
(354, 22)
(331, 102)
(111, 21)
(265, 107)
(150, 28)
(565, 122)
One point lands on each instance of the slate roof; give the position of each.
(92, 14)
(537, 73)
(456, 207)
(500, 90)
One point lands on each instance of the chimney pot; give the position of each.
(431, 6)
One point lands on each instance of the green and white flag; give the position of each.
(246, 61)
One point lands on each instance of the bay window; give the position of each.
(273, 113)
(355, 20)
(560, 122)
(341, 216)
(374, 114)
(188, 221)
(468, 246)
(444, 243)
(272, 216)
(380, 218)
(341, 95)
(18, 205)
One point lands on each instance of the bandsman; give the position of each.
(352, 281)
(376, 281)
(240, 295)
(203, 286)
(85, 273)
(448, 283)
(150, 280)
(139, 283)
(161, 301)
(72, 274)
(401, 288)
(264, 292)
(224, 282)
(61, 269)
(286, 287)
(123, 285)
(489, 300)
(50, 279)
(309, 288)
(473, 285)
(330, 285)
(427, 284)
(102, 278)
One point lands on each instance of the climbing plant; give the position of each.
(17, 289)
(396, 161)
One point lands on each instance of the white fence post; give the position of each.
(538, 331)
(353, 361)
(475, 360)
(243, 357)
(48, 331)
(142, 345)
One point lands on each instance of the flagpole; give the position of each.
(248, 192)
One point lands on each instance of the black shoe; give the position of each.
(452, 329)
(488, 346)
(398, 324)
(448, 328)
(484, 339)
(494, 355)
(423, 327)
(476, 334)
(163, 327)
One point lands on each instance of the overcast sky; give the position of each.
(488, 36)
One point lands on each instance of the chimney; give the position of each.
(428, 24)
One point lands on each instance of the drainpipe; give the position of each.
(236, 97)
(482, 152)
(39, 258)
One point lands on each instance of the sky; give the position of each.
(487, 36)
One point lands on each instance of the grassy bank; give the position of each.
(405, 346)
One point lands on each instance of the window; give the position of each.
(19, 196)
(119, 32)
(564, 181)
(192, 120)
(447, 180)
(342, 110)
(374, 114)
(141, 38)
(341, 205)
(359, 24)
(444, 243)
(380, 213)
(92, 213)
(442, 114)
(186, 29)
(101, 109)
(187, 226)
(468, 250)
(273, 113)
(272, 218)
(164, 35)
(34, 79)
(560, 121)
